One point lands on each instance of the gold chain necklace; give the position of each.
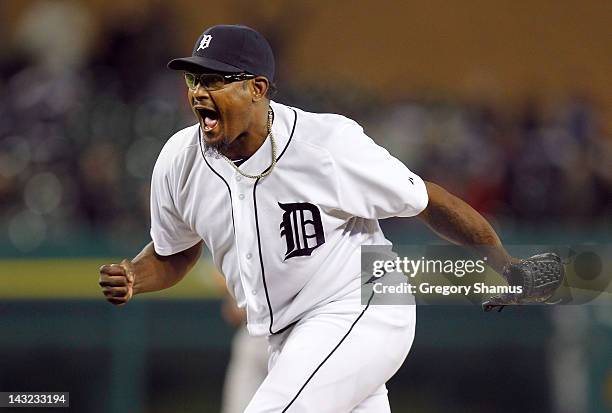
(273, 144)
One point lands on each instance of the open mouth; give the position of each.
(209, 117)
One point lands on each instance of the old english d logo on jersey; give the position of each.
(302, 228)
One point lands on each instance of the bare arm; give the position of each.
(155, 272)
(147, 272)
(457, 222)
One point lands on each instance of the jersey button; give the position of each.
(241, 197)
(238, 178)
(254, 292)
(249, 256)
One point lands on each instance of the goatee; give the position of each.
(217, 148)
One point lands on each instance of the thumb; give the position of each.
(129, 270)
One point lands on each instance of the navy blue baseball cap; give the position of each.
(230, 49)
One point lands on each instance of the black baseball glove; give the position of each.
(539, 276)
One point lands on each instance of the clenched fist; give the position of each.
(117, 282)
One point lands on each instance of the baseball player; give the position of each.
(284, 199)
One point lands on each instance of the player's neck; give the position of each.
(248, 142)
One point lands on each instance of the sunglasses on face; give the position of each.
(213, 81)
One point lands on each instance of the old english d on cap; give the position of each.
(231, 49)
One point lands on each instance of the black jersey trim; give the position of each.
(330, 354)
(263, 270)
(287, 327)
(290, 136)
(229, 191)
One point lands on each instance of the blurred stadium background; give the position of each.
(507, 104)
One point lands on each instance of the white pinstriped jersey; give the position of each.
(289, 242)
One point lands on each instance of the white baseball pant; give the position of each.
(336, 360)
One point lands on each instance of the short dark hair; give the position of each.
(272, 90)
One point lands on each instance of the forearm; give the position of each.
(153, 272)
(457, 222)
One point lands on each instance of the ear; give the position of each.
(259, 88)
